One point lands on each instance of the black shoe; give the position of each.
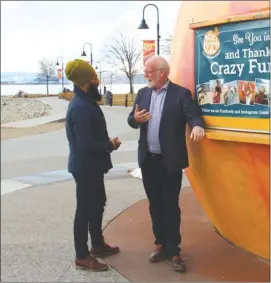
(177, 264)
(105, 250)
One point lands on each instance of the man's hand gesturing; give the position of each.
(141, 116)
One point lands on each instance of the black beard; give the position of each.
(94, 93)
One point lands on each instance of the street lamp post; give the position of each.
(100, 75)
(84, 53)
(62, 70)
(143, 25)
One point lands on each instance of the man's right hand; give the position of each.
(141, 116)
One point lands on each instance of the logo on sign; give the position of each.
(211, 43)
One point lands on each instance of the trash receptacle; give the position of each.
(110, 99)
(107, 97)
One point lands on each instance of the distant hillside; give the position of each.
(122, 79)
(17, 77)
(27, 78)
(21, 78)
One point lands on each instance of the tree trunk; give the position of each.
(47, 84)
(131, 85)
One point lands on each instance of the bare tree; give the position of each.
(124, 55)
(47, 72)
(111, 75)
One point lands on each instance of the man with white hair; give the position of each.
(161, 111)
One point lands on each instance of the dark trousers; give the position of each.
(91, 199)
(163, 189)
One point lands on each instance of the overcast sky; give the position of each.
(34, 30)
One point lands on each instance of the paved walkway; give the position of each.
(36, 233)
(37, 239)
(49, 151)
(58, 113)
(37, 220)
(209, 258)
(37, 211)
(38, 202)
(50, 177)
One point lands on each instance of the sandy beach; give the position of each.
(18, 109)
(22, 108)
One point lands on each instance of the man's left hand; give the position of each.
(197, 133)
(116, 143)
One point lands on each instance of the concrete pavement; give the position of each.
(37, 239)
(49, 177)
(37, 221)
(38, 202)
(58, 113)
(20, 156)
(55, 143)
(208, 256)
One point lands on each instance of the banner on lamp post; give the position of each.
(148, 49)
(59, 74)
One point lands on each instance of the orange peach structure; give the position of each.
(229, 170)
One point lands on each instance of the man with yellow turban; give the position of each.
(89, 160)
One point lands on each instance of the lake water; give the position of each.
(55, 89)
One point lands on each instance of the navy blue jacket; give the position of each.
(87, 135)
(179, 109)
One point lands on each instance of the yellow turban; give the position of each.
(80, 72)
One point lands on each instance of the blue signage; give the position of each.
(232, 64)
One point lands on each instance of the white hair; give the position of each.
(160, 63)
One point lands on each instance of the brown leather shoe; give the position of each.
(90, 263)
(157, 254)
(106, 250)
(177, 264)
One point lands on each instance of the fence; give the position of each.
(118, 99)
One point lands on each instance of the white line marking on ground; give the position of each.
(48, 177)
(11, 185)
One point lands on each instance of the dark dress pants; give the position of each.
(163, 189)
(91, 199)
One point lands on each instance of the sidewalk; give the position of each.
(10, 185)
(37, 224)
(209, 257)
(37, 238)
(38, 202)
(58, 113)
